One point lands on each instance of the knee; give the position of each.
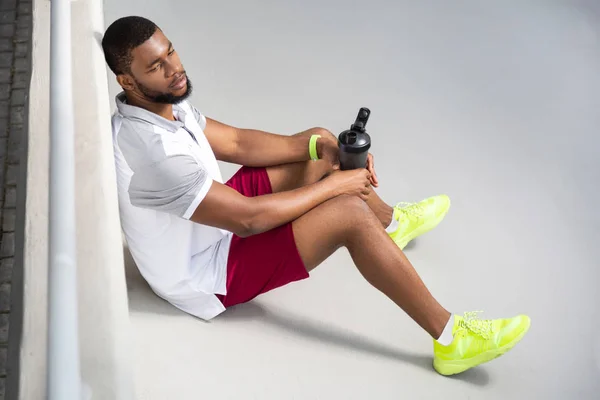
(354, 218)
(349, 202)
(325, 133)
(353, 211)
(346, 217)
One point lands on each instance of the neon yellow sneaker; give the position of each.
(418, 218)
(478, 341)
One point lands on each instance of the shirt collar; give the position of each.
(134, 112)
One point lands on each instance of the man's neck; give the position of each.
(164, 110)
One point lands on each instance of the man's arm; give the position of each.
(225, 208)
(178, 185)
(255, 148)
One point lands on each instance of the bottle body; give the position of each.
(352, 160)
(354, 143)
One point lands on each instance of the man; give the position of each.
(204, 246)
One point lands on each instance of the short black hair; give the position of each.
(121, 37)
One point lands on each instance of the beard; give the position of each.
(165, 98)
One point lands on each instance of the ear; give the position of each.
(126, 81)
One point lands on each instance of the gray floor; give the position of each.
(495, 105)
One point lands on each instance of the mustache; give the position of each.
(178, 77)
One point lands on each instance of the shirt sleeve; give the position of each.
(176, 185)
(199, 117)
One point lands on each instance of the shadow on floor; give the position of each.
(326, 333)
(143, 299)
(411, 245)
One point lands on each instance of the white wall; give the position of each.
(103, 314)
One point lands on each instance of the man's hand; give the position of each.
(356, 182)
(331, 152)
(371, 169)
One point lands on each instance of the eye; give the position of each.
(156, 68)
(172, 51)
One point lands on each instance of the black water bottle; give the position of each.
(354, 143)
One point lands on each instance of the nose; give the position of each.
(173, 69)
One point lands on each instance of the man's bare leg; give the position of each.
(291, 176)
(347, 221)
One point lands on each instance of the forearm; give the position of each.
(262, 149)
(273, 210)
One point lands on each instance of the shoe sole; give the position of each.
(423, 229)
(448, 368)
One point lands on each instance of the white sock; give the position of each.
(446, 338)
(393, 225)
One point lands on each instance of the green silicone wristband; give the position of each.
(312, 147)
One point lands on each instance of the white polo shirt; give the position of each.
(164, 170)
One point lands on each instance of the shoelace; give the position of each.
(410, 209)
(481, 327)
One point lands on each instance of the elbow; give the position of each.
(253, 220)
(235, 145)
(243, 232)
(253, 226)
(246, 227)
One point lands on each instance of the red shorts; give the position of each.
(263, 262)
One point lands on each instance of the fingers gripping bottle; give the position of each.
(354, 143)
